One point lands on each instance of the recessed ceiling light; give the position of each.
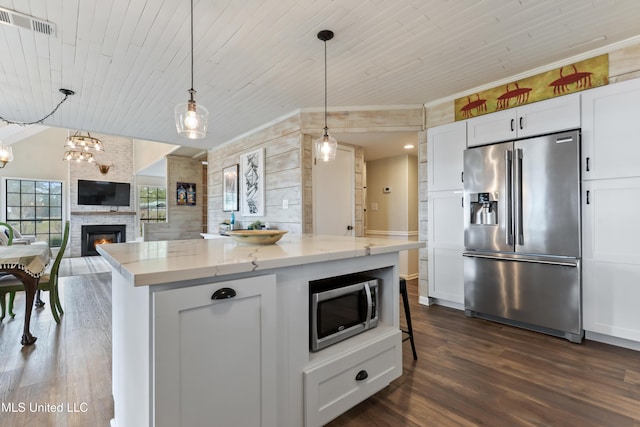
(409, 146)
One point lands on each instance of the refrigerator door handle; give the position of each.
(508, 173)
(529, 260)
(518, 197)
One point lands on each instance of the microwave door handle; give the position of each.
(369, 302)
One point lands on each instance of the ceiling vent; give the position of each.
(17, 19)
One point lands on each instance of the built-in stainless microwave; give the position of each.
(340, 308)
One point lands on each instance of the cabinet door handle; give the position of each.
(521, 124)
(512, 123)
(588, 165)
(462, 176)
(362, 375)
(223, 293)
(588, 194)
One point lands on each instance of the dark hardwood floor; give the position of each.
(469, 372)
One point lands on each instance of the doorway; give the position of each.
(333, 194)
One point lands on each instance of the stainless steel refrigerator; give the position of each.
(522, 234)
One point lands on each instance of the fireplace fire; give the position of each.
(93, 235)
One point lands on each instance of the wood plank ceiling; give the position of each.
(256, 60)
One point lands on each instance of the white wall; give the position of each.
(39, 156)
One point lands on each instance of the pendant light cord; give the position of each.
(192, 48)
(66, 92)
(325, 88)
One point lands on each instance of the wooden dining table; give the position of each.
(27, 263)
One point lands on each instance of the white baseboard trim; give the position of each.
(608, 339)
(437, 301)
(390, 233)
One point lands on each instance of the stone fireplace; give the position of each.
(92, 235)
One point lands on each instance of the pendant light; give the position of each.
(325, 146)
(191, 120)
(6, 154)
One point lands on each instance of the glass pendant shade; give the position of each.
(6, 155)
(326, 147)
(191, 120)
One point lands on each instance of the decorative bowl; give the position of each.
(256, 237)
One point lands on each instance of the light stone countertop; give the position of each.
(151, 263)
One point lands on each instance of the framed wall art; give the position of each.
(252, 183)
(186, 194)
(230, 193)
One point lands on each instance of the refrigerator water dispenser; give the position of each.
(484, 209)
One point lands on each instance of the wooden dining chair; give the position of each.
(6, 234)
(48, 282)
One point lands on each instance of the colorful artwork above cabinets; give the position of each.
(571, 78)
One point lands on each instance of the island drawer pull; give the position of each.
(223, 293)
(362, 375)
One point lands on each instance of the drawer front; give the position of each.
(332, 388)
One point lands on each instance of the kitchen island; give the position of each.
(183, 357)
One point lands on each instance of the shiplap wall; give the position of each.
(624, 64)
(183, 221)
(288, 163)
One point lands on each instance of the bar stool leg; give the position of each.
(407, 315)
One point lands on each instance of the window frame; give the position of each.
(53, 237)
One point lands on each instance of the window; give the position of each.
(35, 208)
(153, 204)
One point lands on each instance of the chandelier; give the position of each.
(79, 147)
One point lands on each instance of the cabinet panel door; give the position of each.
(494, 127)
(446, 223)
(611, 292)
(446, 243)
(445, 145)
(215, 360)
(552, 115)
(610, 213)
(611, 131)
(446, 278)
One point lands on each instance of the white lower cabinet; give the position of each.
(611, 293)
(611, 257)
(335, 385)
(215, 359)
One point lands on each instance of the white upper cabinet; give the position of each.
(445, 145)
(539, 118)
(611, 131)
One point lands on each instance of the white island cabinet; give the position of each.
(220, 333)
(216, 333)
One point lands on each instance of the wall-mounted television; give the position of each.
(103, 193)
